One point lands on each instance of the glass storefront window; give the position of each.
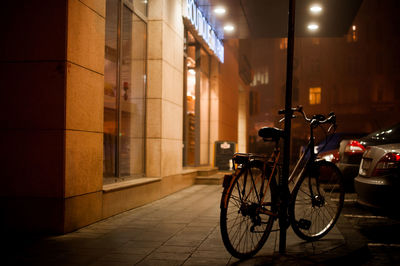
(124, 93)
(196, 130)
(110, 88)
(204, 107)
(190, 114)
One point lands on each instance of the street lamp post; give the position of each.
(283, 180)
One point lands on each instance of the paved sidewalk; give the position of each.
(181, 229)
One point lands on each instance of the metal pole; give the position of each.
(283, 180)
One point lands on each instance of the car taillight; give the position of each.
(354, 147)
(332, 157)
(386, 164)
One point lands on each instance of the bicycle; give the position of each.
(250, 199)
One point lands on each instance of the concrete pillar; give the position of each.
(165, 88)
(242, 119)
(51, 67)
(84, 100)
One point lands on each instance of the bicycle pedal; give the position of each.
(304, 224)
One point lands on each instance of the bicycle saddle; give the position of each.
(271, 133)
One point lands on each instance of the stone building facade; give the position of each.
(95, 104)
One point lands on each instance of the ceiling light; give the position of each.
(316, 9)
(229, 28)
(313, 27)
(219, 10)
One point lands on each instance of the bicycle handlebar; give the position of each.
(316, 120)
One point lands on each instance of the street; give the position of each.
(381, 228)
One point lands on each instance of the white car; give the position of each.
(378, 180)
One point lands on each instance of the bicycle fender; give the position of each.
(228, 180)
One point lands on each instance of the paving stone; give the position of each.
(180, 229)
(176, 249)
(170, 226)
(117, 258)
(143, 244)
(175, 241)
(126, 249)
(205, 261)
(123, 233)
(163, 262)
(211, 244)
(154, 236)
(212, 254)
(180, 256)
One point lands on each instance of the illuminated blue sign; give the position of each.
(204, 29)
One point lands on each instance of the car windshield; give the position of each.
(390, 133)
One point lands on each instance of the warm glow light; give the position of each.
(354, 27)
(229, 28)
(316, 9)
(189, 94)
(313, 27)
(192, 71)
(315, 95)
(219, 10)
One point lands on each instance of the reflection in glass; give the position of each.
(110, 88)
(140, 5)
(132, 94)
(190, 119)
(204, 107)
(124, 95)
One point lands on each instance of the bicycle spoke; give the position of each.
(313, 211)
(244, 226)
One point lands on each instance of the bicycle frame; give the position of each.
(294, 175)
(292, 178)
(310, 148)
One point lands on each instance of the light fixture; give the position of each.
(313, 27)
(219, 10)
(316, 9)
(229, 27)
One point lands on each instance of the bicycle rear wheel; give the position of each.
(246, 222)
(317, 201)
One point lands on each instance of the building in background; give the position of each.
(108, 105)
(355, 75)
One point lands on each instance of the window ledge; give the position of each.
(129, 183)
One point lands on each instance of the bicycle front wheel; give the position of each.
(317, 201)
(247, 215)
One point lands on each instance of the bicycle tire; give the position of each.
(317, 201)
(244, 230)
